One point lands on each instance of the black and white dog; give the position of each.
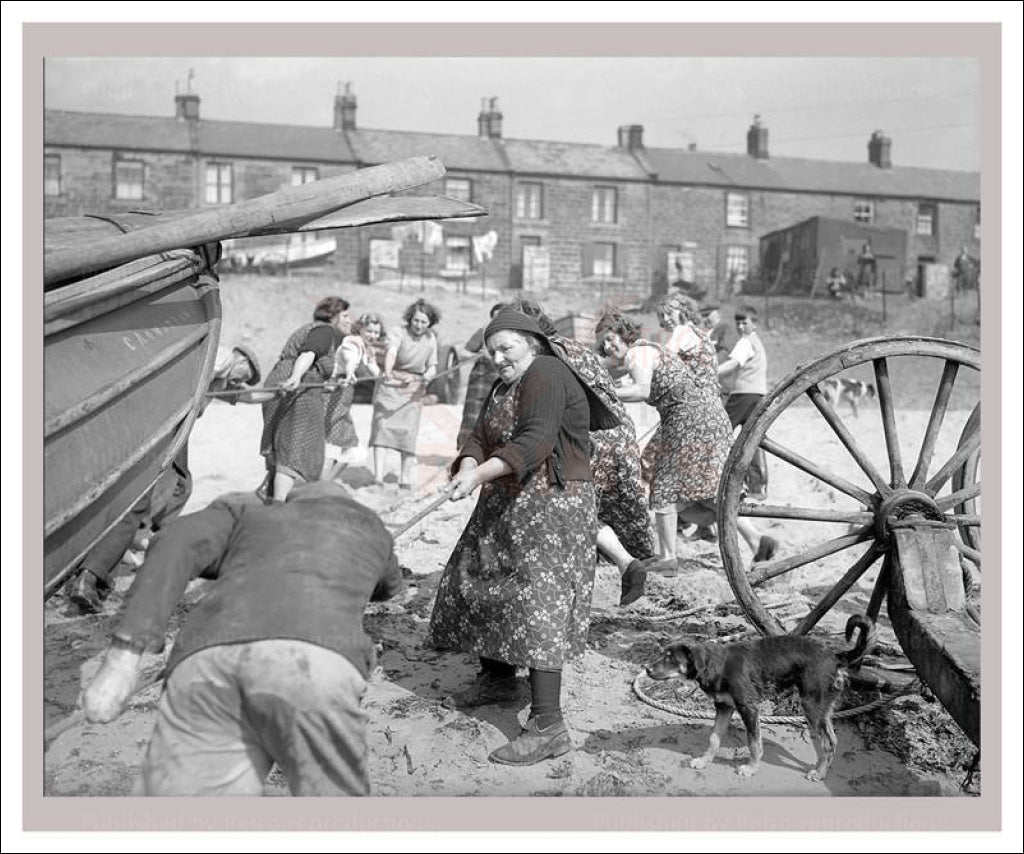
(852, 392)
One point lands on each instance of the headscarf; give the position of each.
(601, 417)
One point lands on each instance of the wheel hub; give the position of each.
(902, 504)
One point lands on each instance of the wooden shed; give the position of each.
(799, 258)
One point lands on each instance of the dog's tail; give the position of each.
(865, 642)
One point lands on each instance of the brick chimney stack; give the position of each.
(344, 108)
(186, 105)
(631, 137)
(757, 140)
(495, 119)
(488, 123)
(880, 150)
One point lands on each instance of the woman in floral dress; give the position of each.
(353, 360)
(516, 589)
(684, 459)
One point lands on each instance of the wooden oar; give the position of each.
(290, 207)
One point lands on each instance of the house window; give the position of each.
(737, 210)
(529, 200)
(457, 254)
(128, 179)
(737, 263)
(864, 211)
(604, 205)
(926, 217)
(604, 261)
(459, 188)
(977, 223)
(304, 174)
(219, 184)
(51, 175)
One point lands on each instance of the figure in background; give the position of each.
(748, 366)
(684, 459)
(409, 365)
(293, 437)
(353, 360)
(481, 377)
(836, 283)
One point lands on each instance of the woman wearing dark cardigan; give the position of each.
(516, 590)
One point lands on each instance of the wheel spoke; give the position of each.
(953, 463)
(836, 593)
(840, 429)
(931, 433)
(793, 458)
(954, 499)
(762, 572)
(892, 441)
(881, 589)
(805, 514)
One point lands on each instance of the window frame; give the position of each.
(450, 183)
(131, 164)
(48, 161)
(219, 184)
(927, 212)
(458, 246)
(529, 200)
(601, 212)
(731, 209)
(867, 204)
(730, 249)
(304, 173)
(613, 260)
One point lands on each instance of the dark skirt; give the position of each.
(293, 427)
(338, 425)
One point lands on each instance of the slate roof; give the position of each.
(804, 175)
(463, 152)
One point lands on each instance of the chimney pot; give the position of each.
(345, 104)
(631, 136)
(186, 107)
(880, 150)
(757, 139)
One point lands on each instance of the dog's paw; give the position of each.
(747, 770)
(814, 775)
(700, 763)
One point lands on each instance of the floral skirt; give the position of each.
(517, 587)
(621, 497)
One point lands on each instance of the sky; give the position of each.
(815, 107)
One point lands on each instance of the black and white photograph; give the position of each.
(566, 427)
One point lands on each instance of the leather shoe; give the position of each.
(487, 690)
(85, 593)
(633, 580)
(534, 745)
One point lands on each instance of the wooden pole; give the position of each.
(298, 204)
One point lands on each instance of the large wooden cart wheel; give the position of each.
(837, 524)
(964, 478)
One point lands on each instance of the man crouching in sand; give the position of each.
(271, 665)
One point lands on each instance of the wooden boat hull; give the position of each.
(131, 327)
(127, 356)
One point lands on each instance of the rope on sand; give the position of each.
(792, 720)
